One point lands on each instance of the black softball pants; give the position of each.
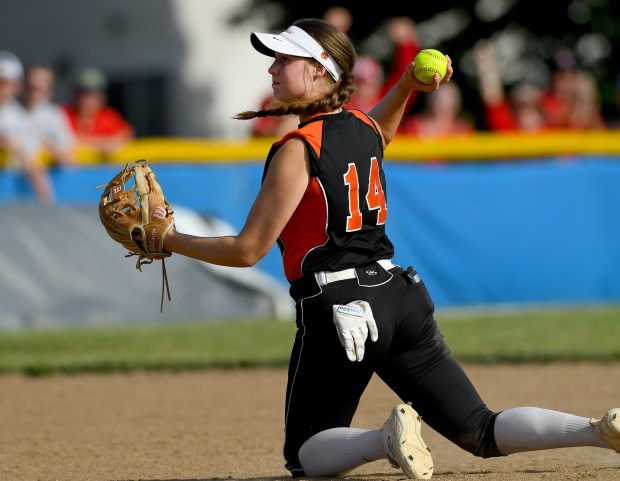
(410, 356)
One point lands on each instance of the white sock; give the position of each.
(336, 451)
(532, 429)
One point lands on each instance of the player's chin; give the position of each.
(281, 94)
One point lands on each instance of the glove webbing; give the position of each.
(142, 259)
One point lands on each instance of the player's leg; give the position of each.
(421, 370)
(429, 377)
(453, 408)
(425, 372)
(531, 429)
(336, 451)
(323, 393)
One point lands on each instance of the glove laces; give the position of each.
(142, 259)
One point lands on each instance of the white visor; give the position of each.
(295, 41)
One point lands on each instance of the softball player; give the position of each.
(323, 199)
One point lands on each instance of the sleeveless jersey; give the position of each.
(340, 221)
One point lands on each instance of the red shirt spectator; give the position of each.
(369, 83)
(522, 111)
(273, 126)
(403, 33)
(442, 115)
(96, 124)
(107, 121)
(368, 73)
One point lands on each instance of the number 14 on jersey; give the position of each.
(375, 197)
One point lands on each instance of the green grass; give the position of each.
(178, 346)
(568, 335)
(545, 335)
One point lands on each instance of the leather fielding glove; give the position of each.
(354, 321)
(136, 214)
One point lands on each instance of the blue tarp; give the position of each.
(510, 232)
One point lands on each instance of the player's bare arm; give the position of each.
(284, 186)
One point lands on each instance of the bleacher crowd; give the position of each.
(36, 132)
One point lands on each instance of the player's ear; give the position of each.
(319, 70)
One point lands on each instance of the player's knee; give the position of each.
(483, 449)
(481, 441)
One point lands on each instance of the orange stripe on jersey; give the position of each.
(305, 230)
(313, 133)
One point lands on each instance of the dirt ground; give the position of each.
(221, 425)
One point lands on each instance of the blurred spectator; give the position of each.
(403, 35)
(521, 110)
(557, 99)
(340, 17)
(272, 126)
(51, 120)
(442, 115)
(613, 116)
(96, 124)
(573, 100)
(19, 140)
(394, 45)
(586, 105)
(400, 33)
(369, 83)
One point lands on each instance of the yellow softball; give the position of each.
(428, 62)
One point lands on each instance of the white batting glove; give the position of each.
(354, 321)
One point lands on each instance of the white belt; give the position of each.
(326, 277)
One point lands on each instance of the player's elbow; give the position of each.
(251, 248)
(250, 254)
(248, 259)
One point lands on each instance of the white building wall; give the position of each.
(220, 63)
(213, 70)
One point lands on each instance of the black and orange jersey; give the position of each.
(340, 221)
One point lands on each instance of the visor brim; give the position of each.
(268, 44)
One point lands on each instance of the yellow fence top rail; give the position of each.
(479, 146)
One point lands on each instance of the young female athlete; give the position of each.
(323, 199)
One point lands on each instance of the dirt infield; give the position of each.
(228, 425)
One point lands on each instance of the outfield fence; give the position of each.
(486, 219)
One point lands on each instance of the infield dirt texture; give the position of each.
(222, 425)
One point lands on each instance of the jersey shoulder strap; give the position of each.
(364, 118)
